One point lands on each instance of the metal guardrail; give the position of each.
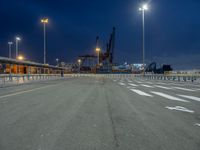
(15, 79)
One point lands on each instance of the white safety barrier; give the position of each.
(6, 80)
(178, 78)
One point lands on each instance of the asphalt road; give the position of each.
(100, 114)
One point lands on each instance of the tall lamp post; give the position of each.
(143, 9)
(44, 21)
(17, 39)
(98, 52)
(10, 49)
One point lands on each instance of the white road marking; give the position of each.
(161, 83)
(141, 93)
(169, 96)
(146, 85)
(122, 83)
(184, 89)
(190, 97)
(149, 82)
(138, 82)
(130, 87)
(132, 84)
(163, 87)
(26, 91)
(180, 108)
(197, 124)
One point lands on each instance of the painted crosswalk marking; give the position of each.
(197, 124)
(184, 89)
(122, 83)
(141, 93)
(132, 84)
(190, 97)
(180, 108)
(146, 85)
(169, 96)
(163, 87)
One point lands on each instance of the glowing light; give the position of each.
(18, 38)
(79, 61)
(98, 49)
(20, 57)
(144, 7)
(44, 20)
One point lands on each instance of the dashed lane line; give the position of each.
(146, 85)
(163, 87)
(168, 96)
(141, 93)
(190, 97)
(184, 89)
(197, 124)
(132, 84)
(122, 83)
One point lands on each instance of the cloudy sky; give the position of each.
(172, 29)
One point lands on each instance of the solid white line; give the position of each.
(132, 84)
(180, 108)
(26, 91)
(190, 97)
(163, 87)
(141, 93)
(169, 96)
(146, 85)
(184, 89)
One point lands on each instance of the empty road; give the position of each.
(93, 113)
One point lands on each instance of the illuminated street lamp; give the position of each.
(20, 57)
(44, 21)
(17, 39)
(57, 60)
(98, 52)
(79, 64)
(10, 48)
(144, 8)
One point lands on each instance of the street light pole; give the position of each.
(143, 9)
(10, 49)
(44, 21)
(17, 46)
(143, 39)
(98, 53)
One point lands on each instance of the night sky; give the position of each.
(172, 29)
